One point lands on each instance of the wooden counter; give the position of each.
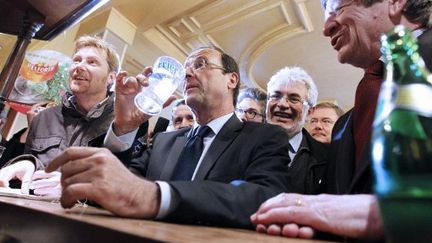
(39, 221)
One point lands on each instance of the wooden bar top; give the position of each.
(42, 221)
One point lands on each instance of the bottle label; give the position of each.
(415, 97)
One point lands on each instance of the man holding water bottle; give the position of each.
(241, 165)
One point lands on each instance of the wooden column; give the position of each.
(32, 23)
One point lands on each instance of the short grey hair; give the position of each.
(255, 94)
(295, 74)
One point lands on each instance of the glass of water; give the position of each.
(167, 75)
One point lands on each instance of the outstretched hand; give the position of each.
(96, 174)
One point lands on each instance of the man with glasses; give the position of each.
(321, 119)
(251, 105)
(354, 28)
(291, 93)
(237, 165)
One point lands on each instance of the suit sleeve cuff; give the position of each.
(119, 143)
(169, 199)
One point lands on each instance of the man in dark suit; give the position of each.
(241, 165)
(291, 94)
(181, 115)
(352, 132)
(354, 28)
(425, 47)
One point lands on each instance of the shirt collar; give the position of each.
(296, 141)
(216, 124)
(72, 100)
(418, 32)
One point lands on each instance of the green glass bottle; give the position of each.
(402, 141)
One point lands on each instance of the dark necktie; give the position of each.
(290, 149)
(190, 155)
(364, 108)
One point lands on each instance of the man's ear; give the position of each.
(111, 78)
(234, 80)
(396, 8)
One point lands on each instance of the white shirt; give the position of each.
(295, 143)
(169, 199)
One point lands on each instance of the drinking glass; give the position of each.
(167, 75)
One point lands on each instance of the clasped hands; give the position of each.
(296, 215)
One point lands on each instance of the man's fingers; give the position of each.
(73, 153)
(23, 170)
(48, 191)
(125, 84)
(4, 183)
(274, 229)
(120, 77)
(290, 230)
(4, 177)
(306, 232)
(42, 183)
(143, 77)
(261, 228)
(6, 174)
(86, 176)
(147, 71)
(41, 174)
(278, 216)
(41, 179)
(25, 181)
(281, 200)
(75, 192)
(297, 215)
(75, 167)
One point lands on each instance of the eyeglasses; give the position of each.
(249, 113)
(291, 99)
(201, 63)
(325, 122)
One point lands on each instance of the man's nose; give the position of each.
(78, 66)
(318, 126)
(330, 25)
(184, 123)
(283, 103)
(242, 116)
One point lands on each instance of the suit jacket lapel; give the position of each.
(341, 161)
(223, 139)
(173, 157)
